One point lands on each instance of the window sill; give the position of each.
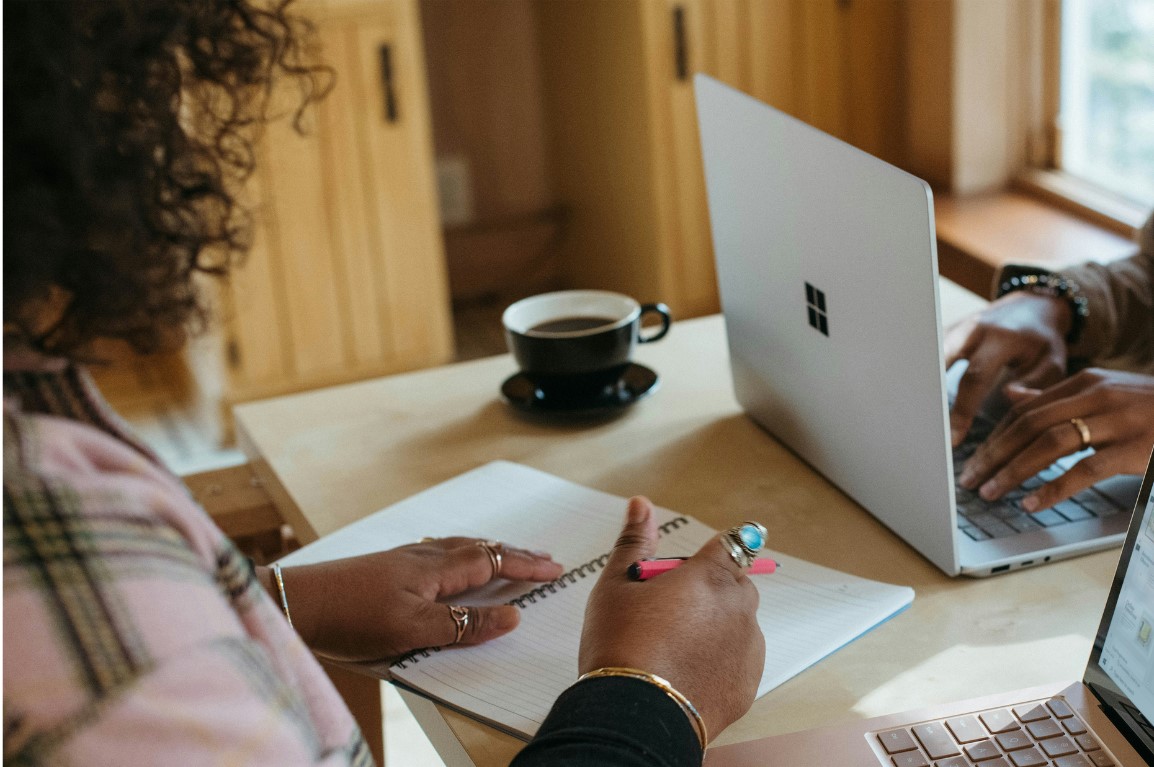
(1094, 204)
(978, 234)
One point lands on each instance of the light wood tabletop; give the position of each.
(332, 456)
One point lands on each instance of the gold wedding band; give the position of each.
(427, 539)
(493, 549)
(1083, 431)
(460, 616)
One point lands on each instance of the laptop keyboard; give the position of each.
(1038, 734)
(981, 520)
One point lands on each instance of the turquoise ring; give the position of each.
(744, 541)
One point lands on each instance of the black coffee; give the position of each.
(570, 324)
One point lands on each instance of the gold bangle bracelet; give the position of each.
(280, 590)
(666, 687)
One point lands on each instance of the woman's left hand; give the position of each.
(1116, 407)
(380, 606)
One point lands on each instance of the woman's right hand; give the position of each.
(695, 626)
(1023, 332)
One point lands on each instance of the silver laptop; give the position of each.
(1103, 720)
(827, 267)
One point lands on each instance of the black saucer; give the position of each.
(635, 383)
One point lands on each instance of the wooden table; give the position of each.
(332, 456)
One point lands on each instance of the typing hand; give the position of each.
(695, 626)
(381, 606)
(1116, 407)
(1021, 332)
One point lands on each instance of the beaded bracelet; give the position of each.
(666, 687)
(280, 590)
(1056, 286)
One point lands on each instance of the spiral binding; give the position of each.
(543, 591)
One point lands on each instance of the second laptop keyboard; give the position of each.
(1039, 734)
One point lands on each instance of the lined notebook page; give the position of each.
(806, 611)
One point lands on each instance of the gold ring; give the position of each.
(493, 549)
(427, 539)
(460, 616)
(1083, 431)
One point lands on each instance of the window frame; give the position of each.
(1042, 175)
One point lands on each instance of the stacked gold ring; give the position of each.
(493, 549)
(460, 616)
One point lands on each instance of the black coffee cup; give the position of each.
(577, 342)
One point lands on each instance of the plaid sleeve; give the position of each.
(134, 632)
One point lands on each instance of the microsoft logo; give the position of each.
(815, 304)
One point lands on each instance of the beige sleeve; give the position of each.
(1119, 330)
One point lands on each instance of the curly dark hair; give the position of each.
(128, 129)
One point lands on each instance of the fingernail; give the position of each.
(956, 436)
(1030, 503)
(989, 490)
(542, 555)
(967, 477)
(506, 618)
(638, 511)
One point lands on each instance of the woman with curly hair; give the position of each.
(134, 631)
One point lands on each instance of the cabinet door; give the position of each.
(673, 35)
(836, 64)
(625, 148)
(620, 92)
(346, 278)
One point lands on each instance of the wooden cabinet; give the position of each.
(346, 278)
(619, 93)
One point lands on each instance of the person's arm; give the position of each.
(1119, 330)
(1024, 337)
(613, 721)
(1110, 410)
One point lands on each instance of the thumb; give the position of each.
(638, 539)
(487, 623)
(435, 624)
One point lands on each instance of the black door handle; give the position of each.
(387, 83)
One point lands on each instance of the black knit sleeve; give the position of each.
(614, 722)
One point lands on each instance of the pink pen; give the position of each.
(645, 569)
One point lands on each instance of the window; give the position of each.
(1107, 96)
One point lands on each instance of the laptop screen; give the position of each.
(1121, 667)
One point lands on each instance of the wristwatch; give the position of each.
(1043, 282)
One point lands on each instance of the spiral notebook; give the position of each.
(806, 611)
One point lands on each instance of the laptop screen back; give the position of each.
(827, 269)
(1121, 667)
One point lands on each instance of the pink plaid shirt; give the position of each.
(134, 631)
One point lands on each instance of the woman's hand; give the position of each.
(1117, 408)
(1021, 332)
(695, 626)
(381, 606)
